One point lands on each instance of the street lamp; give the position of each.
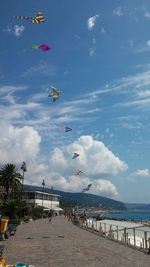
(43, 184)
(51, 197)
(24, 169)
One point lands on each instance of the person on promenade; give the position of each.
(50, 214)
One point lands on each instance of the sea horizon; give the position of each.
(134, 215)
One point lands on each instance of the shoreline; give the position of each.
(127, 232)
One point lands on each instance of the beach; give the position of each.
(131, 233)
(62, 244)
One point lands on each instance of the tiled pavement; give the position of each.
(62, 244)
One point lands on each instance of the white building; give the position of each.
(42, 199)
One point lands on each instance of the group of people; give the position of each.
(69, 215)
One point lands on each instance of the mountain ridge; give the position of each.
(82, 199)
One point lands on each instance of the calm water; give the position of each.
(130, 215)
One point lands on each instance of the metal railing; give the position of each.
(136, 237)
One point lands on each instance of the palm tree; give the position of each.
(10, 179)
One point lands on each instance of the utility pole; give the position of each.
(51, 197)
(43, 184)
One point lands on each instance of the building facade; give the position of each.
(41, 199)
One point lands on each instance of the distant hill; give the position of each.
(82, 199)
(137, 206)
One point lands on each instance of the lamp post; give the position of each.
(43, 184)
(51, 197)
(24, 169)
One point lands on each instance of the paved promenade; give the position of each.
(62, 244)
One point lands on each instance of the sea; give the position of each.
(133, 215)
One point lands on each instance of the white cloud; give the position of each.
(147, 14)
(141, 173)
(105, 186)
(15, 30)
(143, 94)
(11, 89)
(94, 41)
(92, 51)
(148, 43)
(94, 157)
(41, 69)
(18, 144)
(91, 22)
(103, 30)
(118, 11)
(18, 30)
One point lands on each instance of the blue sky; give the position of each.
(100, 60)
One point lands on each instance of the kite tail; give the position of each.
(22, 17)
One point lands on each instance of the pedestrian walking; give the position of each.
(50, 214)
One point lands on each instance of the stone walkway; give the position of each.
(62, 244)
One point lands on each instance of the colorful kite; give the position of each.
(87, 188)
(39, 18)
(43, 47)
(55, 94)
(75, 155)
(67, 129)
(77, 173)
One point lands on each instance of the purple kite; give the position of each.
(43, 47)
(75, 155)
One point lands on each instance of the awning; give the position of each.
(57, 209)
(53, 208)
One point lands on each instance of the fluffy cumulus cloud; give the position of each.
(141, 173)
(148, 43)
(92, 51)
(118, 11)
(105, 186)
(91, 22)
(15, 30)
(147, 14)
(95, 159)
(18, 144)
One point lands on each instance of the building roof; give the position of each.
(34, 191)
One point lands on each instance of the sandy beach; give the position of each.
(131, 228)
(62, 244)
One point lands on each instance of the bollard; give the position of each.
(134, 237)
(100, 229)
(145, 238)
(117, 231)
(105, 228)
(125, 235)
(92, 227)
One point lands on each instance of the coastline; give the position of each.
(130, 233)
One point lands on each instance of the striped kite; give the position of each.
(39, 18)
